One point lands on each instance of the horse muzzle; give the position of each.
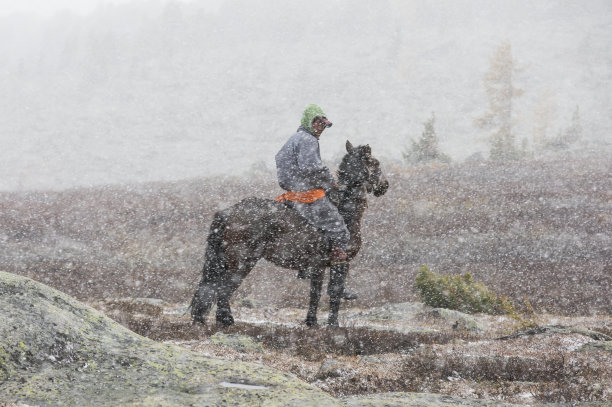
(381, 188)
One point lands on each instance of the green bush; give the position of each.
(460, 292)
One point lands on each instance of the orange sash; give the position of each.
(301, 196)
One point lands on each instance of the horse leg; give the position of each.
(229, 284)
(214, 268)
(316, 285)
(337, 274)
(202, 301)
(224, 313)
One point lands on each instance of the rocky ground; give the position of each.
(405, 347)
(57, 351)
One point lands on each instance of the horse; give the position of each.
(257, 228)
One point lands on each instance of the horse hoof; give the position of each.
(333, 324)
(311, 322)
(225, 321)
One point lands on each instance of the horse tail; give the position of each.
(213, 271)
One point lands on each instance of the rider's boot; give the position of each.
(337, 255)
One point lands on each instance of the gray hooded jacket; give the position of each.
(299, 168)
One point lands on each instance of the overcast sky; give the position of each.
(46, 8)
(98, 99)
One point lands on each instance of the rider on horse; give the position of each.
(310, 184)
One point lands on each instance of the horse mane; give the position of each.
(349, 162)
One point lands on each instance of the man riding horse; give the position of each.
(311, 237)
(311, 187)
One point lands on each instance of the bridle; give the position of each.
(366, 180)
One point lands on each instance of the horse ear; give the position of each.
(349, 147)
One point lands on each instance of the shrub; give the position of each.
(459, 292)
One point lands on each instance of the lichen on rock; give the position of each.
(240, 343)
(57, 351)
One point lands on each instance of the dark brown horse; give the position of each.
(259, 228)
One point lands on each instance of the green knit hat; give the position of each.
(311, 112)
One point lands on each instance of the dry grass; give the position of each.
(536, 229)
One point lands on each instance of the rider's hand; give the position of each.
(333, 194)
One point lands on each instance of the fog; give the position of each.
(482, 270)
(122, 92)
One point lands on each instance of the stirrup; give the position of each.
(349, 295)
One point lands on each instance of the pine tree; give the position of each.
(543, 120)
(498, 84)
(574, 132)
(568, 136)
(426, 148)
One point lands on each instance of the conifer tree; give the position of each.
(568, 136)
(426, 148)
(574, 132)
(500, 90)
(543, 120)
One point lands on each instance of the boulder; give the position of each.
(57, 351)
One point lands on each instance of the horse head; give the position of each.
(360, 168)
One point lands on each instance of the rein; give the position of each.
(357, 189)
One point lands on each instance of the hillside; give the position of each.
(536, 230)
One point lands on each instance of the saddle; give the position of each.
(301, 196)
